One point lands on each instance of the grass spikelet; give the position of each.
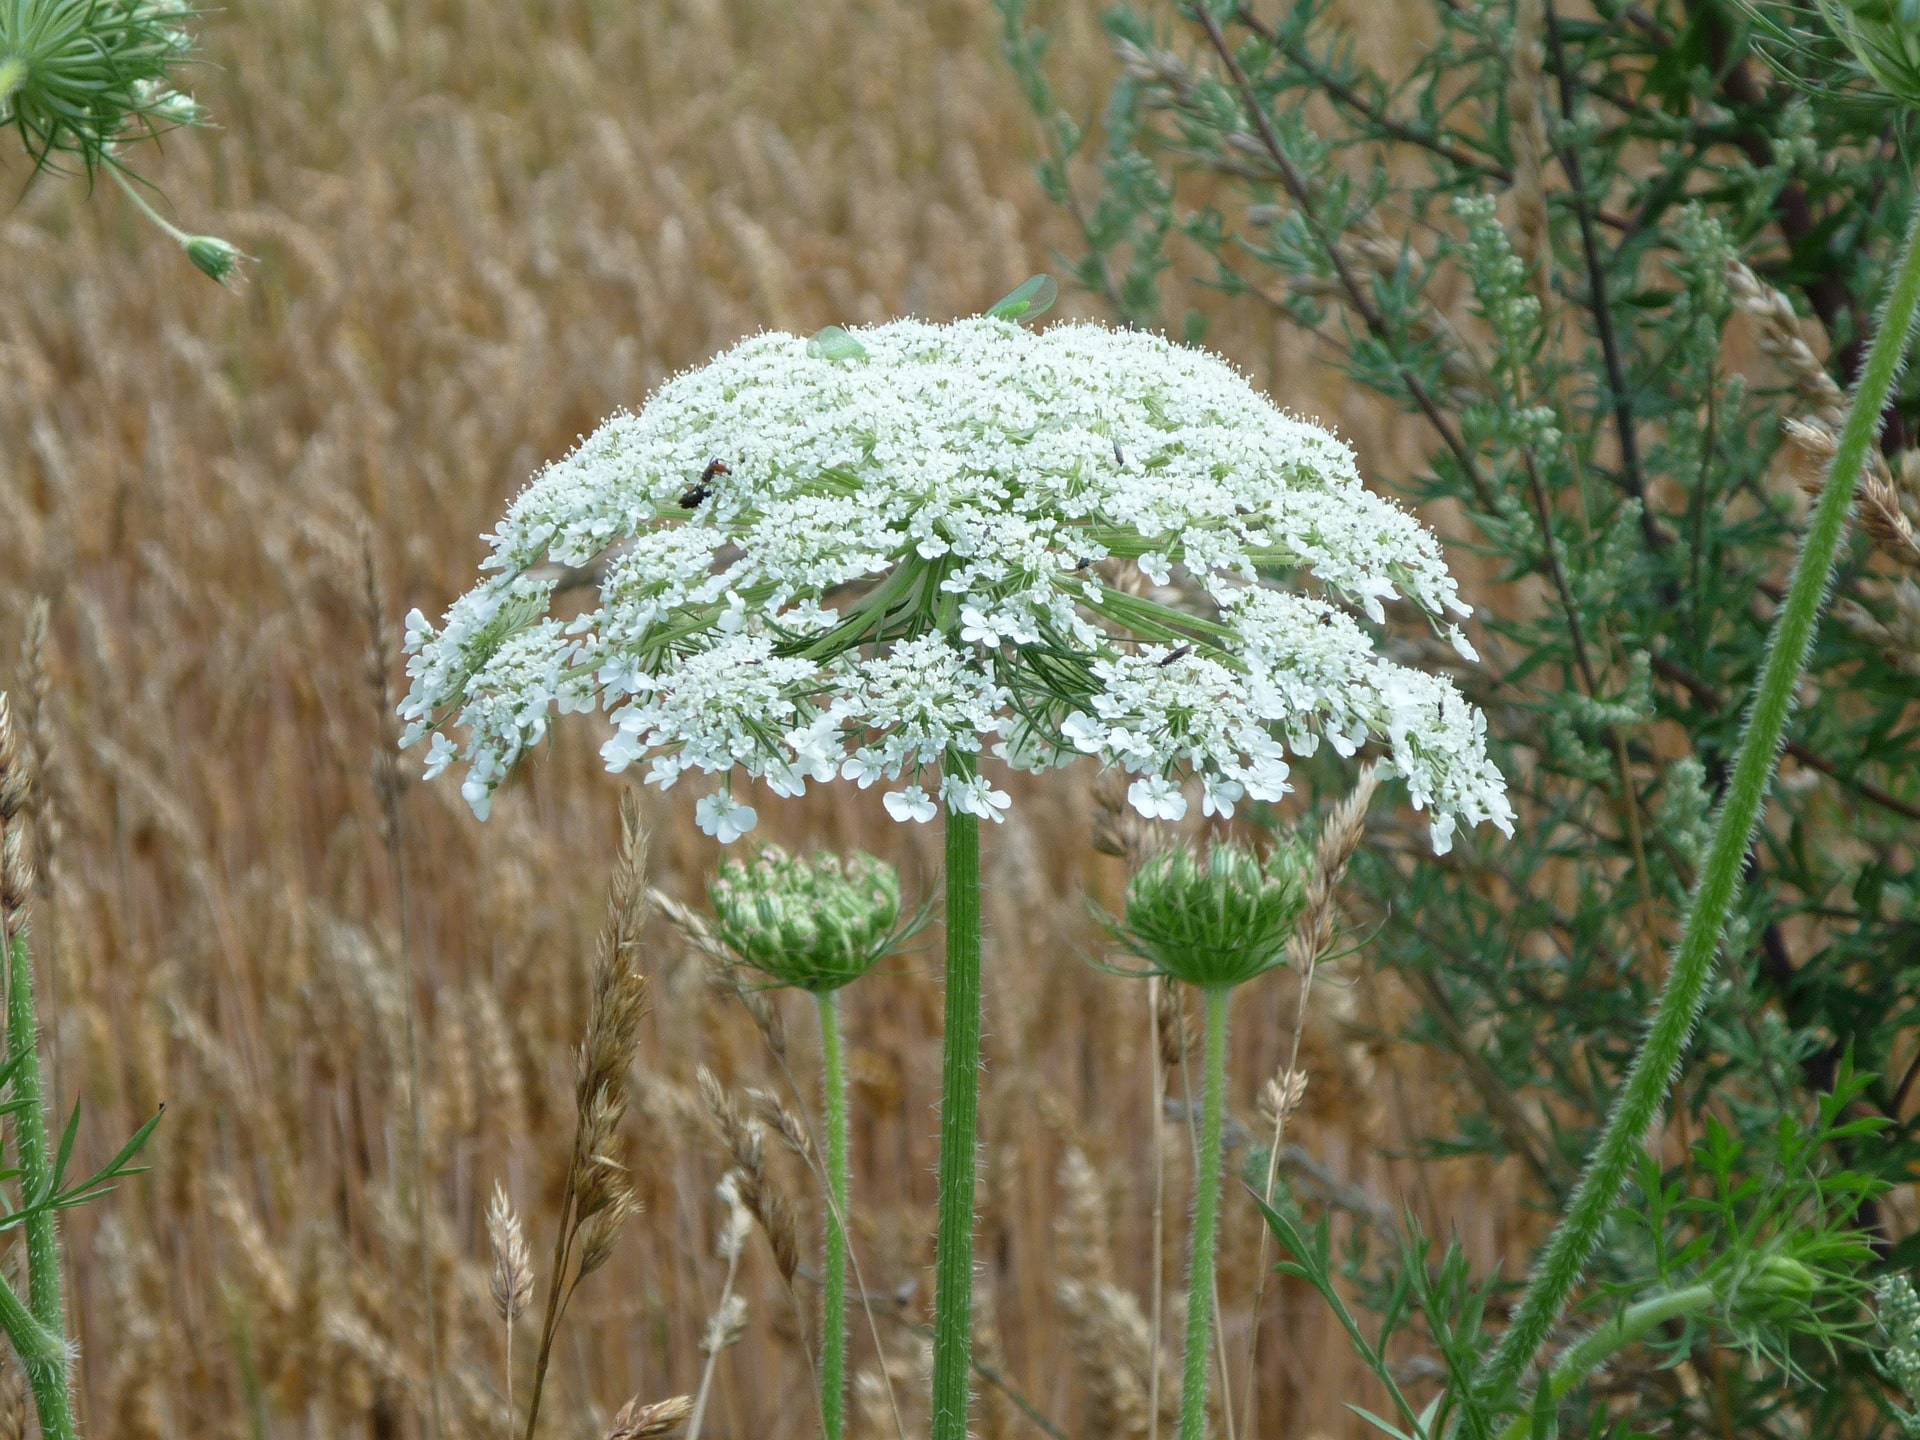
(16, 856)
(754, 1187)
(647, 1422)
(511, 1281)
(598, 1198)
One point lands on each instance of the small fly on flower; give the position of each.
(704, 488)
(1180, 654)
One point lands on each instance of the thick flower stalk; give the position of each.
(896, 555)
(1644, 1092)
(818, 925)
(1214, 924)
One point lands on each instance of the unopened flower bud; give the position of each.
(1219, 921)
(212, 256)
(815, 924)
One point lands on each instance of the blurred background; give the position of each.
(478, 229)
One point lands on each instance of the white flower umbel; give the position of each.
(877, 558)
(887, 556)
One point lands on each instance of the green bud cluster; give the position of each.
(1899, 1309)
(814, 924)
(1220, 921)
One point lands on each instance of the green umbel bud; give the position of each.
(1219, 921)
(1780, 1280)
(212, 256)
(1884, 36)
(815, 924)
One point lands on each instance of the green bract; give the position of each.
(1884, 36)
(1218, 922)
(78, 77)
(814, 924)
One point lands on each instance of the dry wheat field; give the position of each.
(480, 227)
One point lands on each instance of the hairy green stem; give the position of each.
(1206, 1214)
(45, 1362)
(959, 1128)
(1658, 1060)
(833, 1314)
(1589, 1353)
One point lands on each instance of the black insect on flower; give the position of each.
(704, 488)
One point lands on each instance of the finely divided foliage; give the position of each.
(866, 558)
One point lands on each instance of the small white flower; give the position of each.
(441, 752)
(863, 769)
(1267, 780)
(1084, 733)
(1218, 797)
(977, 629)
(1157, 798)
(912, 803)
(724, 818)
(1462, 645)
(975, 796)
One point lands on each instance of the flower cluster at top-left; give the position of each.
(891, 556)
(80, 77)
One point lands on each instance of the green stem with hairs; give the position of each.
(959, 1130)
(833, 1324)
(1655, 1066)
(42, 1343)
(1206, 1215)
(1588, 1354)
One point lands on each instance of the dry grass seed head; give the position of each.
(645, 1422)
(1338, 840)
(16, 794)
(511, 1280)
(755, 1188)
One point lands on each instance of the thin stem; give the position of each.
(1266, 1193)
(509, 1375)
(833, 1314)
(1157, 1085)
(1206, 1213)
(812, 1157)
(46, 1364)
(1588, 1354)
(713, 1356)
(172, 231)
(562, 1248)
(1657, 1062)
(959, 1128)
(393, 837)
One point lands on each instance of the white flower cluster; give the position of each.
(875, 560)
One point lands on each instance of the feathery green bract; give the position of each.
(80, 77)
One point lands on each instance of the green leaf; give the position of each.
(1379, 1424)
(1029, 302)
(834, 343)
